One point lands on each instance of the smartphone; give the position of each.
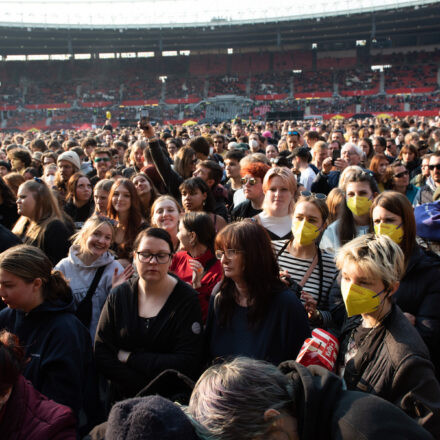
(144, 117)
(336, 154)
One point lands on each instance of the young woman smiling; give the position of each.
(124, 206)
(88, 255)
(165, 214)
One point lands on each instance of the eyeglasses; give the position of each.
(318, 196)
(434, 167)
(146, 257)
(101, 159)
(402, 174)
(295, 133)
(230, 253)
(38, 180)
(251, 180)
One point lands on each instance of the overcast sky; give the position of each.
(154, 12)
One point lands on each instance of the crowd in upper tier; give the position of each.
(160, 281)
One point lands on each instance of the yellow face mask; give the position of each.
(393, 231)
(359, 205)
(305, 233)
(359, 299)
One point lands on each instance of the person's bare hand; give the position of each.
(310, 303)
(411, 318)
(284, 276)
(197, 273)
(327, 165)
(147, 129)
(341, 164)
(119, 278)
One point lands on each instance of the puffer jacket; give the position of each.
(30, 415)
(400, 371)
(80, 278)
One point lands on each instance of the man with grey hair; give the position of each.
(328, 179)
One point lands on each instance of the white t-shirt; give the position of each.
(307, 177)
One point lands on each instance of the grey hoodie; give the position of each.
(80, 277)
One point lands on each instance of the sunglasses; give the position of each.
(402, 174)
(101, 159)
(290, 133)
(318, 196)
(251, 180)
(435, 167)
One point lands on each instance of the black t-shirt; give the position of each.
(244, 210)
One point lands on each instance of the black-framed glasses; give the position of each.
(434, 167)
(318, 196)
(251, 180)
(147, 257)
(101, 159)
(402, 174)
(38, 180)
(230, 253)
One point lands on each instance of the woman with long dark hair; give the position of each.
(360, 190)
(79, 199)
(147, 192)
(419, 292)
(196, 263)
(124, 206)
(253, 313)
(196, 197)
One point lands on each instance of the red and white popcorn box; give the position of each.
(321, 349)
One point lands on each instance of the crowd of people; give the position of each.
(161, 281)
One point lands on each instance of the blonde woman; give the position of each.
(280, 191)
(41, 223)
(89, 257)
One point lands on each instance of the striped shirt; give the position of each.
(297, 268)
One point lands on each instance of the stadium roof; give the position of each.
(412, 25)
(159, 13)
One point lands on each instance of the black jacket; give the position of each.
(419, 294)
(399, 370)
(173, 340)
(60, 353)
(325, 411)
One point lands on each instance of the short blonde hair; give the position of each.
(89, 227)
(288, 179)
(375, 255)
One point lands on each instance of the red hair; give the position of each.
(255, 169)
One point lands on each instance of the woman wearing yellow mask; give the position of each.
(384, 355)
(419, 292)
(301, 260)
(360, 190)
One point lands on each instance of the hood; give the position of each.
(55, 306)
(103, 260)
(431, 184)
(314, 388)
